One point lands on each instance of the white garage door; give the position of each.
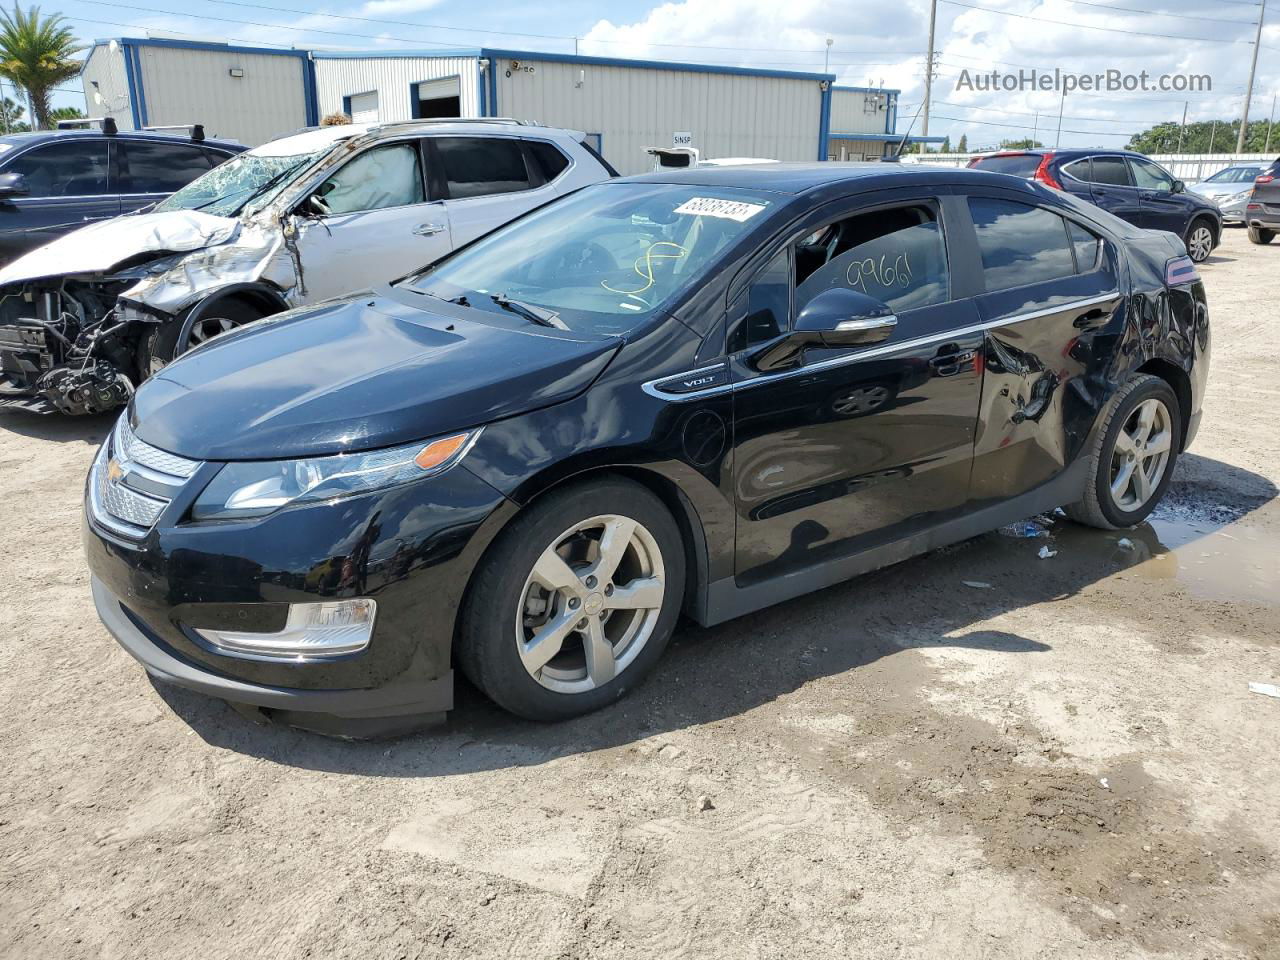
(364, 107)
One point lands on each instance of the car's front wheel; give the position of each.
(1200, 240)
(160, 346)
(574, 603)
(1133, 456)
(1259, 235)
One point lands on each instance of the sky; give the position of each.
(872, 43)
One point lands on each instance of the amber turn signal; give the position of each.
(438, 452)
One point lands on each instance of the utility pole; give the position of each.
(1183, 129)
(1271, 122)
(928, 67)
(826, 57)
(1213, 132)
(1253, 72)
(1035, 136)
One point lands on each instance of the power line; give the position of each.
(1148, 13)
(1079, 26)
(1013, 126)
(1045, 113)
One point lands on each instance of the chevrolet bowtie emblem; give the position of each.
(115, 472)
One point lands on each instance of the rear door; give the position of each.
(1113, 189)
(1162, 209)
(485, 182)
(369, 222)
(852, 447)
(69, 185)
(150, 170)
(1051, 295)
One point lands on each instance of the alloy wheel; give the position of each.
(1200, 245)
(1141, 455)
(590, 604)
(207, 329)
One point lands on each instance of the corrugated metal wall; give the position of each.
(392, 77)
(853, 111)
(108, 71)
(182, 85)
(843, 149)
(633, 108)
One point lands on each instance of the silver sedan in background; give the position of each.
(1229, 189)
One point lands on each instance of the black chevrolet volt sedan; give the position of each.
(697, 392)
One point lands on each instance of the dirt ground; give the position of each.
(1062, 761)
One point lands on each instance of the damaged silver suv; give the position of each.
(308, 217)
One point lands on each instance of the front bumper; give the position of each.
(411, 548)
(405, 701)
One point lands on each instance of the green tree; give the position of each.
(65, 113)
(36, 54)
(963, 145)
(1203, 136)
(946, 145)
(11, 117)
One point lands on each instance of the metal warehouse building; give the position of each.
(253, 94)
(626, 105)
(250, 94)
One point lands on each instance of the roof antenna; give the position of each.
(197, 132)
(109, 127)
(903, 145)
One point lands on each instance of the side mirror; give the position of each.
(1179, 186)
(13, 185)
(838, 317)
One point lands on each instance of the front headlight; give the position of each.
(1240, 197)
(257, 488)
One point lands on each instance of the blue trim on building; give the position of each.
(824, 124)
(493, 87)
(396, 54)
(481, 92)
(206, 45)
(131, 82)
(891, 114)
(651, 64)
(346, 104)
(309, 95)
(841, 86)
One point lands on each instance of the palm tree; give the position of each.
(36, 54)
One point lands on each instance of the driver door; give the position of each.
(369, 222)
(856, 446)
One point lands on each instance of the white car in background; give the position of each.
(1230, 189)
(682, 158)
(304, 218)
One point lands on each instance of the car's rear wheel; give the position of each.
(1200, 240)
(1259, 235)
(1133, 456)
(160, 347)
(574, 603)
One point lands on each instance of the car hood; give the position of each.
(1219, 189)
(359, 374)
(103, 246)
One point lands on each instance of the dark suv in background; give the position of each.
(1263, 211)
(54, 182)
(1125, 184)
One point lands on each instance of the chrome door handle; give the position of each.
(428, 229)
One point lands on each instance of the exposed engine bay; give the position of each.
(80, 342)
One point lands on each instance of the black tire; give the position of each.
(1260, 236)
(160, 346)
(1098, 508)
(1200, 254)
(487, 640)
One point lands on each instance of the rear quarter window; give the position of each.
(1020, 244)
(1022, 165)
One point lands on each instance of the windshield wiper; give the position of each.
(538, 315)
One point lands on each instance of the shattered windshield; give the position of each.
(601, 259)
(227, 189)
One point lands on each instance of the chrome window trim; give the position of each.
(650, 387)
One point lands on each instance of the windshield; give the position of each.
(605, 257)
(1234, 175)
(227, 189)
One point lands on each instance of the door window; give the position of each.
(1111, 171)
(768, 310)
(67, 169)
(1150, 177)
(1079, 170)
(895, 255)
(551, 162)
(481, 166)
(1020, 244)
(389, 176)
(160, 167)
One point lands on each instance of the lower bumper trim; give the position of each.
(395, 700)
